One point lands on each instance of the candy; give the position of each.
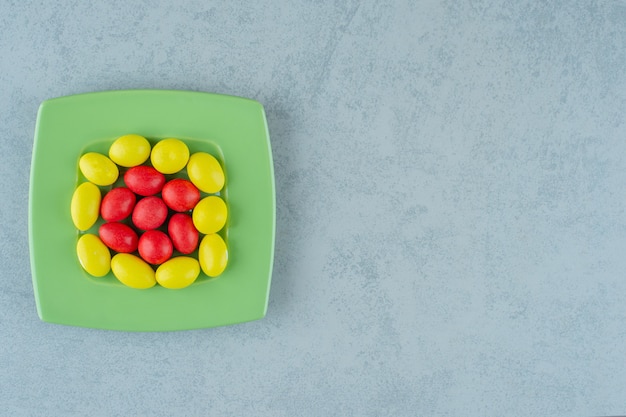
(155, 247)
(119, 237)
(205, 172)
(85, 205)
(132, 271)
(130, 150)
(178, 272)
(117, 204)
(93, 255)
(209, 215)
(183, 233)
(149, 200)
(98, 169)
(169, 156)
(180, 195)
(144, 180)
(213, 255)
(149, 213)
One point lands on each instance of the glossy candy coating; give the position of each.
(85, 205)
(132, 271)
(180, 195)
(130, 150)
(119, 237)
(117, 204)
(155, 247)
(149, 213)
(213, 255)
(183, 233)
(98, 169)
(169, 156)
(210, 214)
(205, 172)
(179, 272)
(93, 255)
(144, 180)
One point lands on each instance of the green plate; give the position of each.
(231, 128)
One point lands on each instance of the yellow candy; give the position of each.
(93, 255)
(178, 272)
(98, 169)
(205, 172)
(130, 150)
(209, 215)
(132, 271)
(169, 156)
(213, 255)
(85, 205)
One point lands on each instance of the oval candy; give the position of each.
(98, 169)
(119, 237)
(169, 155)
(180, 195)
(85, 205)
(144, 180)
(149, 213)
(155, 247)
(117, 204)
(183, 233)
(205, 172)
(132, 271)
(93, 255)
(179, 272)
(213, 255)
(210, 214)
(130, 150)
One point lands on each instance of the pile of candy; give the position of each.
(153, 216)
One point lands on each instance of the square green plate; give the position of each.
(231, 128)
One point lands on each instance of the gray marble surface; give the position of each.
(450, 207)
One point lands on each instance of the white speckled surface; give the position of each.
(450, 207)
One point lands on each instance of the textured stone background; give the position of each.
(450, 207)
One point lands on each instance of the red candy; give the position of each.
(117, 204)
(183, 233)
(180, 195)
(119, 237)
(149, 213)
(155, 247)
(144, 180)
